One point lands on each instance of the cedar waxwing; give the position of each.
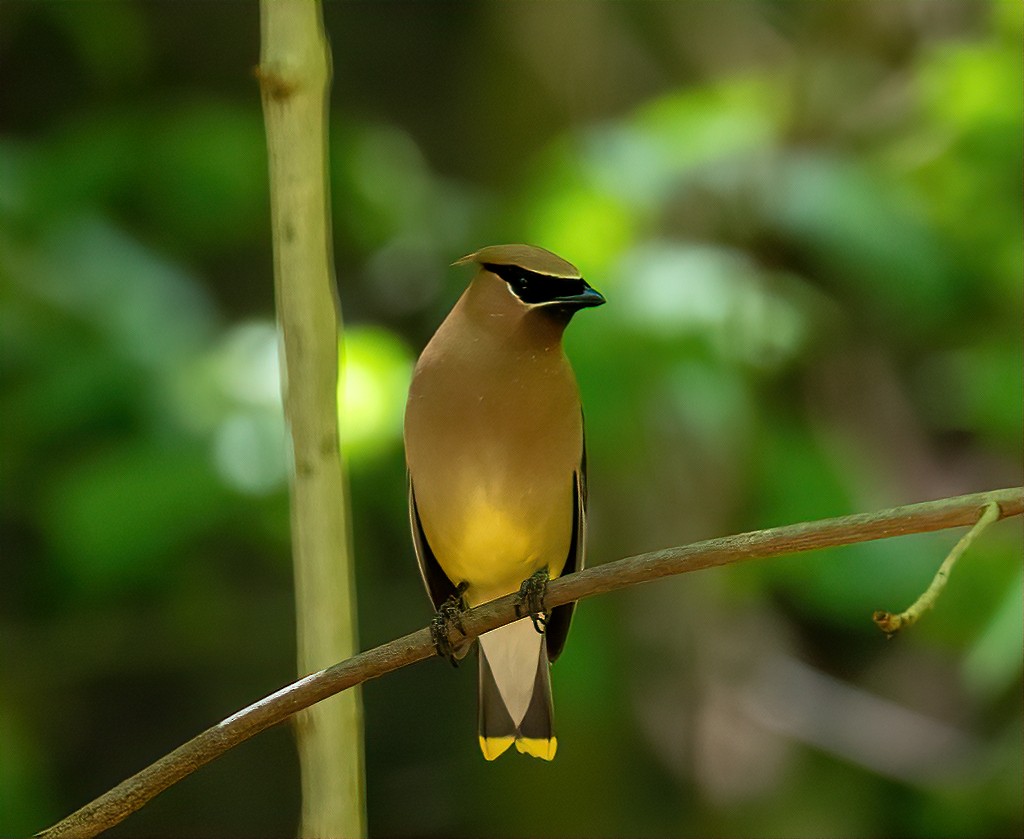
(497, 473)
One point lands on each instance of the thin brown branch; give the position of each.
(131, 794)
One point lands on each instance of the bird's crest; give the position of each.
(529, 257)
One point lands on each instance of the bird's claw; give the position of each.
(530, 600)
(449, 614)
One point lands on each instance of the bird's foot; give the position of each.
(449, 615)
(530, 600)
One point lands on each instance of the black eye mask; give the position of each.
(537, 288)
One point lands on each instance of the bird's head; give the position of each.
(534, 280)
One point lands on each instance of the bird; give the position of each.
(497, 475)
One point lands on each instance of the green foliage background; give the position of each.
(806, 217)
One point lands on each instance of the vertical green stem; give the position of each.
(294, 79)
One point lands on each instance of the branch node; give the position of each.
(888, 622)
(272, 84)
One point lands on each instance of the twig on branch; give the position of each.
(131, 794)
(891, 623)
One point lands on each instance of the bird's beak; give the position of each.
(588, 297)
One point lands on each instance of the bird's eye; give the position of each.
(520, 284)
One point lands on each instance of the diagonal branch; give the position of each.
(131, 794)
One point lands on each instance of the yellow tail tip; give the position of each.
(544, 749)
(492, 747)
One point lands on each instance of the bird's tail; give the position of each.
(515, 692)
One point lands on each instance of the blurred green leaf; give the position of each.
(376, 368)
(121, 518)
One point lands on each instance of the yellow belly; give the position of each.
(494, 546)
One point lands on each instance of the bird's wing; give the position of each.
(439, 587)
(561, 616)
